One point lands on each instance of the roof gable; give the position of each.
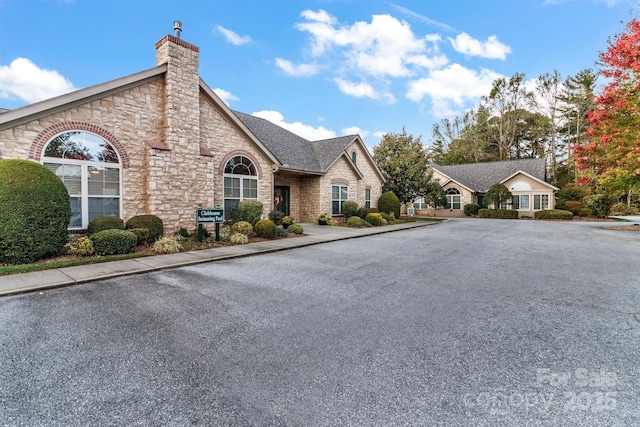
(480, 176)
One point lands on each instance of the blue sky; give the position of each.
(320, 68)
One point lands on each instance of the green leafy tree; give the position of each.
(404, 164)
(436, 196)
(498, 194)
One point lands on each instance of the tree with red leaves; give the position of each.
(610, 158)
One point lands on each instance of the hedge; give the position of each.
(498, 213)
(554, 214)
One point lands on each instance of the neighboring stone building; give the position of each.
(162, 142)
(468, 183)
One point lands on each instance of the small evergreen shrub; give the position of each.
(276, 216)
(582, 212)
(374, 219)
(239, 238)
(142, 235)
(242, 227)
(34, 212)
(570, 192)
(349, 208)
(325, 219)
(471, 209)
(250, 211)
(82, 247)
(281, 231)
(167, 245)
(113, 242)
(355, 221)
(384, 222)
(498, 213)
(389, 202)
(151, 222)
(266, 229)
(287, 221)
(183, 232)
(362, 212)
(104, 223)
(554, 214)
(295, 229)
(366, 223)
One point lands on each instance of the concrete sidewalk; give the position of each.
(313, 234)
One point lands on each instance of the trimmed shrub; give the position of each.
(151, 222)
(349, 208)
(242, 227)
(295, 229)
(355, 221)
(239, 238)
(554, 214)
(389, 202)
(104, 223)
(34, 212)
(266, 229)
(287, 221)
(142, 235)
(471, 209)
(582, 212)
(374, 219)
(250, 211)
(82, 247)
(385, 216)
(113, 242)
(498, 213)
(167, 245)
(600, 204)
(276, 216)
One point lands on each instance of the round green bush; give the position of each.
(142, 235)
(114, 242)
(276, 216)
(471, 209)
(388, 203)
(281, 231)
(82, 247)
(266, 229)
(355, 221)
(104, 223)
(295, 229)
(554, 214)
(238, 238)
(374, 219)
(250, 211)
(34, 212)
(151, 222)
(242, 227)
(287, 221)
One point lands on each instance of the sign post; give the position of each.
(209, 216)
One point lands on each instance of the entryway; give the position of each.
(281, 200)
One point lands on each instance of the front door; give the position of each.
(281, 199)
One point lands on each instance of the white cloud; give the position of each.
(380, 134)
(300, 129)
(225, 95)
(421, 18)
(452, 87)
(24, 80)
(355, 130)
(300, 70)
(492, 48)
(232, 37)
(362, 90)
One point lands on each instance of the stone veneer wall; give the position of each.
(293, 182)
(371, 178)
(310, 204)
(340, 173)
(133, 116)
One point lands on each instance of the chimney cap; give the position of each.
(177, 27)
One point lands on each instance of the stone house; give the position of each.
(468, 183)
(162, 142)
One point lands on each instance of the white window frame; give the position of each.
(367, 197)
(243, 180)
(84, 177)
(340, 198)
(452, 194)
(542, 203)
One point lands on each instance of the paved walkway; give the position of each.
(313, 235)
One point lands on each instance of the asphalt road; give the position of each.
(469, 322)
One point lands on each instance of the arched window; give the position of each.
(90, 168)
(520, 186)
(453, 198)
(240, 182)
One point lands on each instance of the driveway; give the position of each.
(469, 322)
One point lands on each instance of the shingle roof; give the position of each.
(480, 176)
(293, 150)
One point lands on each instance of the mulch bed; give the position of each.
(632, 227)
